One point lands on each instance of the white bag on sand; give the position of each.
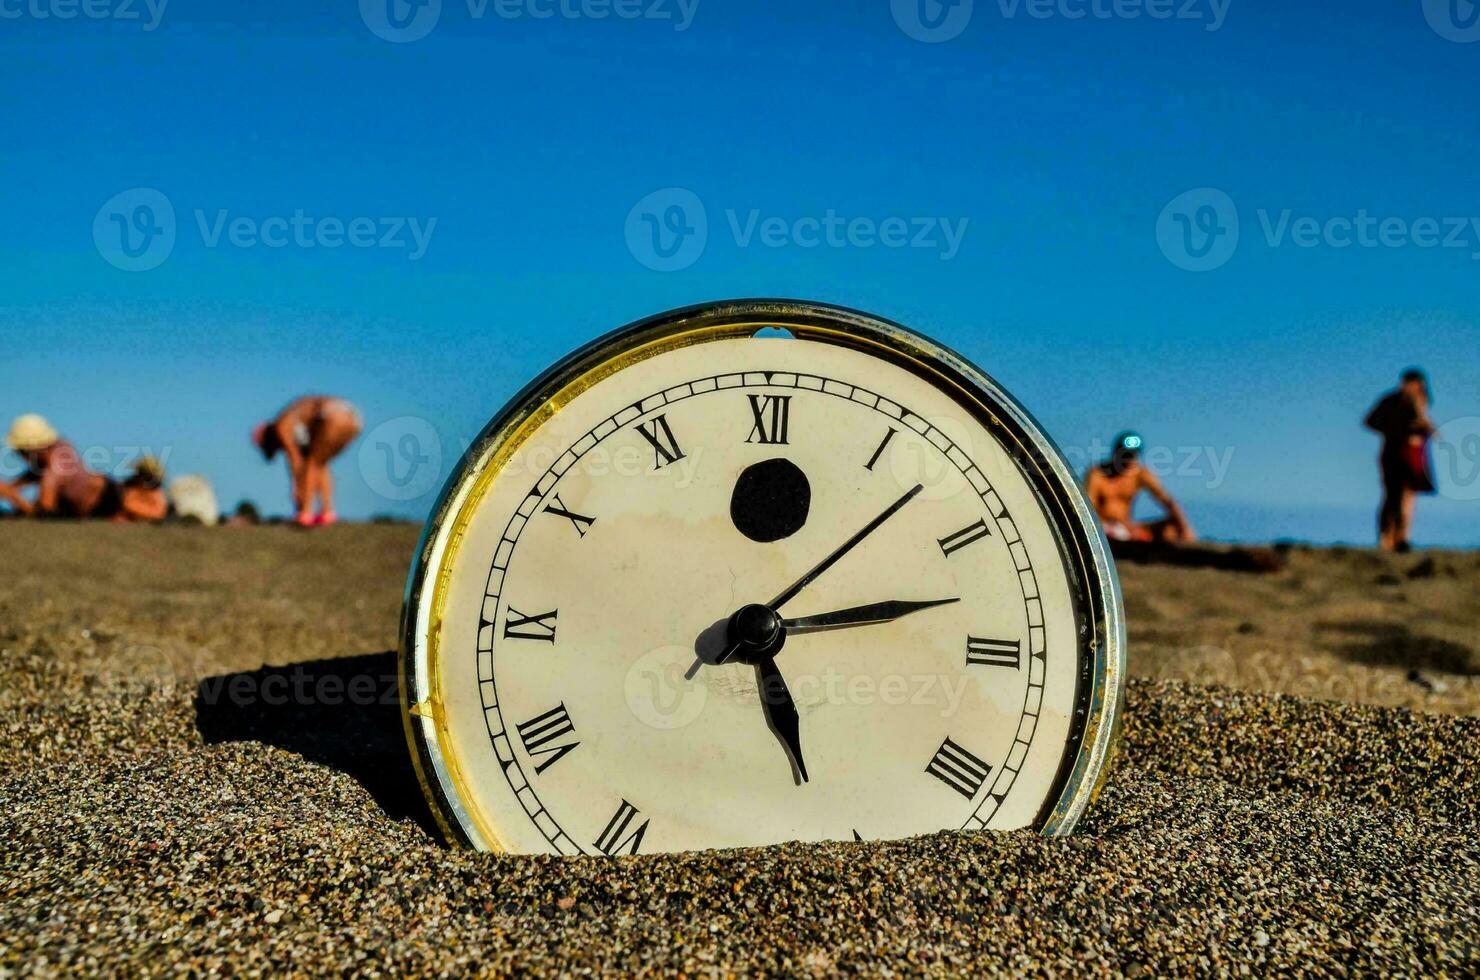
(193, 496)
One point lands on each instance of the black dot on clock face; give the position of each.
(771, 500)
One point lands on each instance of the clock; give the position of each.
(754, 572)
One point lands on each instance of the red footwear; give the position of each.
(304, 520)
(326, 518)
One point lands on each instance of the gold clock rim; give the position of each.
(1078, 780)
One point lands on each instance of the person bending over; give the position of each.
(310, 432)
(1113, 487)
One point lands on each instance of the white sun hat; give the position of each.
(29, 433)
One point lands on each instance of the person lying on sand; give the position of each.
(310, 432)
(141, 498)
(1113, 487)
(1401, 417)
(65, 487)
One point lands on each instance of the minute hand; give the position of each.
(847, 546)
(873, 612)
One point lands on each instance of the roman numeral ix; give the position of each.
(958, 769)
(611, 840)
(538, 627)
(660, 435)
(772, 414)
(541, 732)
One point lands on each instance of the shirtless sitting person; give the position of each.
(310, 432)
(1113, 487)
(64, 486)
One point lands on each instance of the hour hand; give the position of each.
(781, 711)
(873, 612)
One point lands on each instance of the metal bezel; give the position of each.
(1082, 544)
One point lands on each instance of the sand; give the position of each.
(151, 821)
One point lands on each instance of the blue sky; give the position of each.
(1077, 162)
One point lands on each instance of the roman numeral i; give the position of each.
(772, 414)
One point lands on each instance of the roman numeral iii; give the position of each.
(771, 414)
(538, 627)
(955, 542)
(541, 732)
(958, 769)
(994, 653)
(660, 435)
(611, 840)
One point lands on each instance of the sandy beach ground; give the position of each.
(1298, 788)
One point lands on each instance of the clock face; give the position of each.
(707, 589)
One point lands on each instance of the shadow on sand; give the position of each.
(344, 713)
(1385, 644)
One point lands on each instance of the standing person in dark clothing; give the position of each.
(1401, 417)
